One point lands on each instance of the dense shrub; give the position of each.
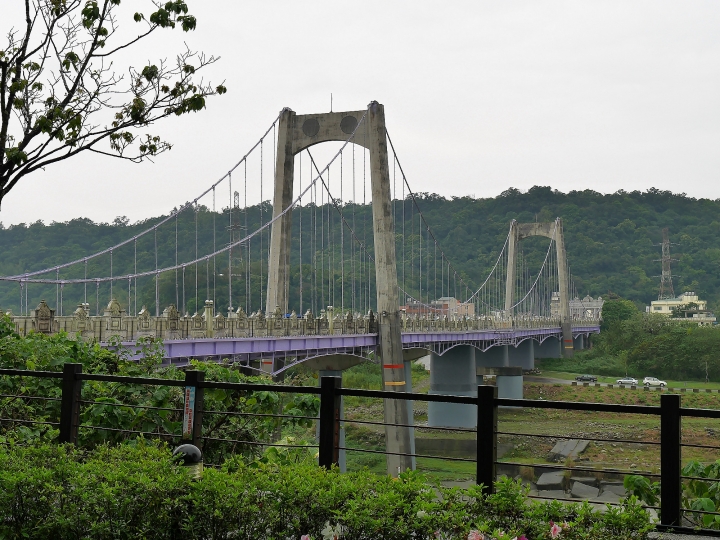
(150, 409)
(136, 491)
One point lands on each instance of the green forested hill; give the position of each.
(611, 241)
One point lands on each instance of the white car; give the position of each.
(627, 380)
(652, 381)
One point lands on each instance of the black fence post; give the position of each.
(193, 408)
(670, 460)
(487, 415)
(329, 442)
(70, 404)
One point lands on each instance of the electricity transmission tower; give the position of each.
(666, 285)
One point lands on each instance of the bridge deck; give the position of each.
(354, 344)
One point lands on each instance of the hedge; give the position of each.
(136, 491)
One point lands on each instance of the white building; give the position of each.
(687, 306)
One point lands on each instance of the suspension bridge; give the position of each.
(342, 267)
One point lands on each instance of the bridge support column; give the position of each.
(410, 412)
(523, 354)
(509, 382)
(579, 342)
(454, 374)
(564, 286)
(497, 356)
(278, 258)
(550, 348)
(397, 439)
(342, 457)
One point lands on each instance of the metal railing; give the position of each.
(330, 419)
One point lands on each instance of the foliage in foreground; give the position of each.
(123, 408)
(136, 491)
(700, 494)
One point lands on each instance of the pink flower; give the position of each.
(554, 530)
(475, 535)
(305, 537)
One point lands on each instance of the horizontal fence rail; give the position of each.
(330, 392)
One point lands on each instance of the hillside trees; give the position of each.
(60, 93)
(605, 252)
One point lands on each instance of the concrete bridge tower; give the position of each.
(296, 133)
(554, 231)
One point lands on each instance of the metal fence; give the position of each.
(330, 392)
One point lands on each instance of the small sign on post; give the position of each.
(188, 412)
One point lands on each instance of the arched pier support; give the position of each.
(453, 374)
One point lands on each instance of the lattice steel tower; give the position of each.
(666, 286)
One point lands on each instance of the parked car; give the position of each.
(627, 380)
(586, 378)
(652, 381)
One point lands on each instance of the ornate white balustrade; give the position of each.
(115, 323)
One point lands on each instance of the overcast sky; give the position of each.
(479, 97)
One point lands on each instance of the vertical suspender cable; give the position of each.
(157, 279)
(300, 259)
(232, 236)
(262, 254)
(363, 272)
(322, 249)
(177, 291)
(196, 258)
(214, 249)
(342, 245)
(331, 251)
(248, 290)
(135, 272)
(352, 245)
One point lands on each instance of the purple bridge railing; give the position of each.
(277, 350)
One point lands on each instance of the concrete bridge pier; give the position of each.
(494, 357)
(509, 382)
(523, 355)
(550, 348)
(453, 374)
